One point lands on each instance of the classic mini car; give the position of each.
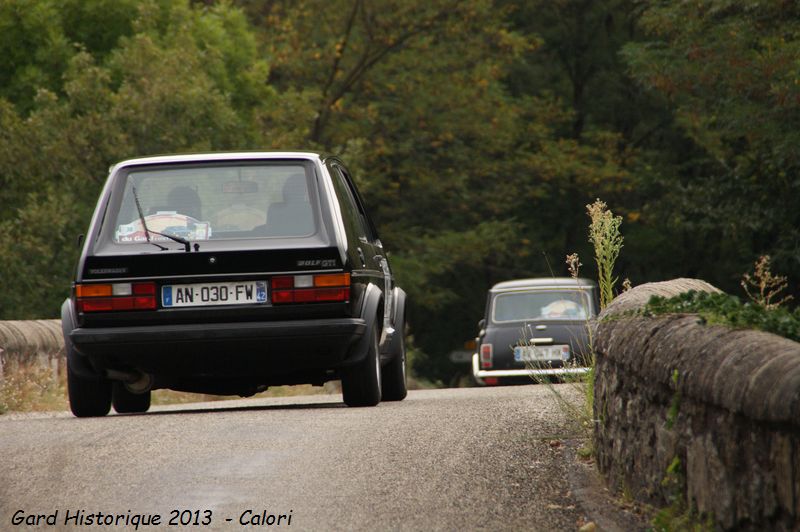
(534, 327)
(227, 273)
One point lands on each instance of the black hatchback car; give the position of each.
(227, 274)
(534, 327)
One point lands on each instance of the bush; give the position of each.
(725, 309)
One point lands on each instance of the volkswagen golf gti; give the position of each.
(227, 273)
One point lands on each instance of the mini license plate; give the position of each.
(539, 353)
(213, 294)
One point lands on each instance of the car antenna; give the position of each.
(147, 231)
(547, 261)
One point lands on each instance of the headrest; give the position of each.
(294, 189)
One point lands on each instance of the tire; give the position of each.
(393, 374)
(88, 397)
(126, 402)
(361, 382)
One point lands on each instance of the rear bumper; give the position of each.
(480, 374)
(222, 349)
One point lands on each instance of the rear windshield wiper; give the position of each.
(147, 231)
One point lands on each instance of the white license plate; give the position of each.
(539, 353)
(213, 294)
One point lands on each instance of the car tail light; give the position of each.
(116, 296)
(325, 287)
(490, 381)
(486, 355)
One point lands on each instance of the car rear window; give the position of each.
(216, 202)
(541, 305)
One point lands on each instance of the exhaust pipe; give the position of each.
(135, 382)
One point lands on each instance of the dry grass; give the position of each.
(37, 388)
(171, 397)
(763, 286)
(33, 388)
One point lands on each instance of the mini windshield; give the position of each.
(542, 305)
(216, 202)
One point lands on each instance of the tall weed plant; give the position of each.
(763, 287)
(605, 237)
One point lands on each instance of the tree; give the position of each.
(729, 71)
(166, 87)
(477, 131)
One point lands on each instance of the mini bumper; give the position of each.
(480, 374)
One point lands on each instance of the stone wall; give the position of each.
(720, 407)
(31, 342)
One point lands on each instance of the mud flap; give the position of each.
(79, 364)
(393, 343)
(369, 313)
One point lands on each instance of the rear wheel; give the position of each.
(361, 383)
(126, 402)
(88, 397)
(393, 374)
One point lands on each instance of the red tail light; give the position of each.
(486, 355)
(310, 288)
(115, 297)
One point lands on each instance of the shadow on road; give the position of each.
(244, 408)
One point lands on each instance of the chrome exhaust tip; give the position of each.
(143, 384)
(135, 382)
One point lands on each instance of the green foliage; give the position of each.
(675, 404)
(477, 131)
(34, 50)
(413, 95)
(728, 71)
(724, 309)
(678, 516)
(165, 87)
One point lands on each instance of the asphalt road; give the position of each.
(455, 459)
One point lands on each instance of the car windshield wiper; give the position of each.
(147, 231)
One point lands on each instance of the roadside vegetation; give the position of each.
(729, 310)
(678, 516)
(767, 308)
(607, 241)
(32, 388)
(36, 388)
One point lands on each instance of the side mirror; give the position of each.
(482, 324)
(80, 239)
